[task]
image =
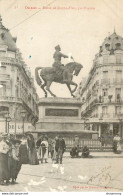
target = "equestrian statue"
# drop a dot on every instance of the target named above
(58, 73)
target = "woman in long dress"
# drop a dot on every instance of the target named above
(44, 150)
(117, 144)
(23, 151)
(15, 164)
(4, 171)
(33, 159)
(38, 146)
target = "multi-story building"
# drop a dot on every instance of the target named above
(102, 95)
(18, 97)
(80, 87)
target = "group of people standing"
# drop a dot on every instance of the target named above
(10, 164)
(15, 152)
(28, 150)
(53, 147)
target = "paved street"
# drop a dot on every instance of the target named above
(98, 173)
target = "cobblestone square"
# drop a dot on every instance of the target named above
(102, 172)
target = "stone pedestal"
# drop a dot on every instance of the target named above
(61, 116)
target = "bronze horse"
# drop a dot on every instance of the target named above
(50, 74)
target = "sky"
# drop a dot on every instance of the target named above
(78, 26)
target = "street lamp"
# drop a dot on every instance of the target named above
(23, 114)
(120, 120)
(8, 119)
(100, 122)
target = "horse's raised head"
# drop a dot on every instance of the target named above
(78, 67)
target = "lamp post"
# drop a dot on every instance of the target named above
(23, 114)
(120, 120)
(8, 119)
(100, 122)
(15, 118)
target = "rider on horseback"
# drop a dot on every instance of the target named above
(57, 64)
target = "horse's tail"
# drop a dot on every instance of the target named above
(38, 80)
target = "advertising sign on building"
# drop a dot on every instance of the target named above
(18, 127)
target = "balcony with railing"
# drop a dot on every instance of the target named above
(117, 81)
(8, 59)
(105, 115)
(113, 81)
(4, 77)
(117, 115)
(10, 99)
(95, 115)
(105, 81)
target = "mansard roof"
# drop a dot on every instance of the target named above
(112, 42)
(6, 39)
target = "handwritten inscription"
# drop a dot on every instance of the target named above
(103, 177)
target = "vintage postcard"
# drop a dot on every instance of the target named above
(61, 96)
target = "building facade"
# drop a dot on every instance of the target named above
(18, 97)
(102, 95)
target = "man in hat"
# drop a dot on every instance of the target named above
(60, 148)
(76, 141)
(57, 63)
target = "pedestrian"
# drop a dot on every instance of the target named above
(14, 163)
(23, 150)
(60, 148)
(53, 155)
(4, 171)
(49, 146)
(33, 159)
(102, 140)
(44, 150)
(74, 152)
(53, 152)
(117, 144)
(38, 146)
(76, 141)
(85, 152)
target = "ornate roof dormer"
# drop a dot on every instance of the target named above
(112, 43)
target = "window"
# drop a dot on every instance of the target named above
(104, 110)
(2, 90)
(118, 46)
(118, 75)
(2, 36)
(105, 92)
(17, 92)
(105, 76)
(118, 59)
(118, 109)
(118, 94)
(105, 59)
(107, 46)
